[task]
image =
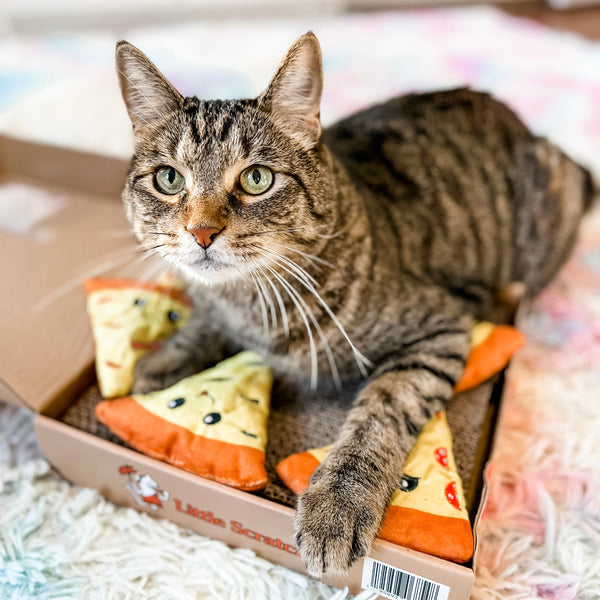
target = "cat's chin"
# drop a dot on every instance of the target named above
(207, 274)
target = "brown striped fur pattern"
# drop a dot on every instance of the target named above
(380, 241)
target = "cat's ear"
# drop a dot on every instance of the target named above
(293, 97)
(147, 94)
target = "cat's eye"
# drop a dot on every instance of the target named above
(169, 181)
(256, 180)
(173, 316)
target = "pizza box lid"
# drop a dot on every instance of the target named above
(61, 221)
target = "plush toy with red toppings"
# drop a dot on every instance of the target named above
(427, 512)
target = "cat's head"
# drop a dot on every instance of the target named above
(219, 188)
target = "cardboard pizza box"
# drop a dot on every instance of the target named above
(72, 226)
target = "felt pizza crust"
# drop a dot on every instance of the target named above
(491, 349)
(295, 470)
(213, 424)
(129, 319)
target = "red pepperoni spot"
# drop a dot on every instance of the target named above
(441, 455)
(452, 495)
(126, 469)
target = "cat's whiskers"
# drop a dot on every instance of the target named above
(331, 236)
(292, 265)
(272, 231)
(87, 272)
(155, 266)
(154, 250)
(314, 365)
(326, 347)
(310, 257)
(305, 279)
(268, 299)
(263, 306)
(282, 308)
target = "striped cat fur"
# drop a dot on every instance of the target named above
(362, 266)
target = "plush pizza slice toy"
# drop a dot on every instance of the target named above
(130, 318)
(427, 512)
(213, 424)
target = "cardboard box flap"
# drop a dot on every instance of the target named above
(61, 221)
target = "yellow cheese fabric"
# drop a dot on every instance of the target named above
(123, 321)
(320, 453)
(236, 393)
(481, 332)
(431, 462)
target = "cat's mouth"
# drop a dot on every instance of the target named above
(211, 270)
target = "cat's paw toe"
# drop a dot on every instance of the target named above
(145, 385)
(334, 528)
(156, 371)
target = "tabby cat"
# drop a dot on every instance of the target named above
(361, 253)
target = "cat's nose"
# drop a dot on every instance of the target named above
(205, 236)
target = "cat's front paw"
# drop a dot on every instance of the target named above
(335, 525)
(160, 370)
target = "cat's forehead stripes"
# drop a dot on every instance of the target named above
(218, 124)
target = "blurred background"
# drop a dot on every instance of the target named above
(57, 80)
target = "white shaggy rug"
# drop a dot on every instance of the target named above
(58, 541)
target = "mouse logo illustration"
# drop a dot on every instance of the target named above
(144, 489)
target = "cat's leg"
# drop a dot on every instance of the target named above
(340, 513)
(197, 346)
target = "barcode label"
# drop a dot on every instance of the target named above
(399, 585)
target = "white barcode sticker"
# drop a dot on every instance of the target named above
(399, 585)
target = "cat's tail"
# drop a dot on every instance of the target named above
(552, 193)
(591, 191)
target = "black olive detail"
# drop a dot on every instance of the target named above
(408, 483)
(173, 316)
(139, 302)
(212, 418)
(175, 403)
